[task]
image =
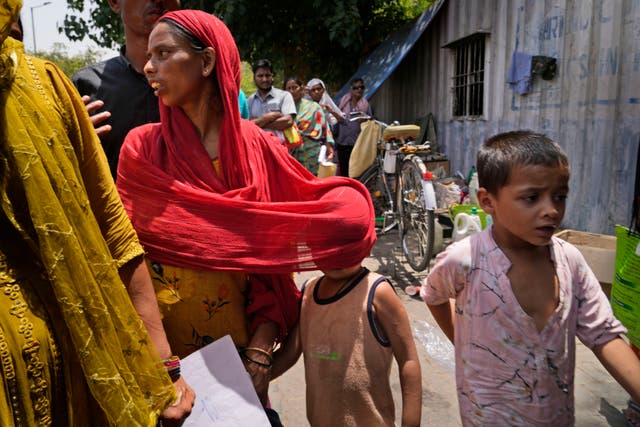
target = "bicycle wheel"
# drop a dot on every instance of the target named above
(417, 224)
(372, 179)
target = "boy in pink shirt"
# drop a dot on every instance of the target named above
(522, 295)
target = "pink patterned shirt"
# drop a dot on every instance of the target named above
(508, 373)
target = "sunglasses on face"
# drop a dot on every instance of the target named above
(357, 87)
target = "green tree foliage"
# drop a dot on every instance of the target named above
(69, 64)
(247, 84)
(307, 38)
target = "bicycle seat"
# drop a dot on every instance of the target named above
(400, 132)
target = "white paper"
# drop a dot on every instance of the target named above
(224, 393)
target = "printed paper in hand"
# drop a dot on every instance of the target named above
(224, 393)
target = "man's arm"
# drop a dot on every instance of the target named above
(283, 122)
(288, 112)
(266, 120)
(623, 365)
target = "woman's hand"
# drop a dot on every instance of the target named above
(260, 350)
(329, 156)
(260, 376)
(175, 414)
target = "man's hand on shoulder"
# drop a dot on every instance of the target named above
(97, 118)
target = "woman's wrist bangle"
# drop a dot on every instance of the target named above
(261, 351)
(250, 360)
(172, 365)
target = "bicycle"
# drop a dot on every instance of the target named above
(395, 182)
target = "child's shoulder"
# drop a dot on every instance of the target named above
(374, 277)
(308, 283)
(567, 248)
(457, 254)
(566, 252)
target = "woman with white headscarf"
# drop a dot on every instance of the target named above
(318, 93)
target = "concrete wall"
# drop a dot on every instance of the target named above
(591, 107)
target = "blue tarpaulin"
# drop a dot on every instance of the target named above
(381, 62)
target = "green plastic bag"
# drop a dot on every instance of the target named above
(625, 290)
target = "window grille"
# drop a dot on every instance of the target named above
(468, 78)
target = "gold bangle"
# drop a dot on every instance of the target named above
(259, 350)
(264, 365)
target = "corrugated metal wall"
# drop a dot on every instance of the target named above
(591, 107)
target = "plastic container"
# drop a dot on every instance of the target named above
(389, 163)
(476, 218)
(465, 225)
(456, 209)
(428, 190)
(438, 238)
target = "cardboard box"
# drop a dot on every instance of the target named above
(431, 165)
(600, 252)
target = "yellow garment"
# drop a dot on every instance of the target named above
(57, 196)
(365, 148)
(199, 306)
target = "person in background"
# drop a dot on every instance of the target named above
(244, 106)
(352, 324)
(312, 123)
(223, 211)
(317, 91)
(270, 108)
(116, 91)
(522, 295)
(348, 130)
(80, 333)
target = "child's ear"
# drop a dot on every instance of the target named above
(485, 200)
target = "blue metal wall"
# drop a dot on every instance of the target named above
(591, 107)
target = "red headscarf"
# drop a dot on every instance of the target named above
(265, 213)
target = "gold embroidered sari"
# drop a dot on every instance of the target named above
(72, 349)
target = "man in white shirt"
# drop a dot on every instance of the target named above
(270, 108)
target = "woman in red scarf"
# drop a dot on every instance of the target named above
(223, 211)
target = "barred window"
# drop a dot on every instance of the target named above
(468, 78)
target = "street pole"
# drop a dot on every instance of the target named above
(33, 25)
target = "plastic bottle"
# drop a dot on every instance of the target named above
(473, 188)
(428, 190)
(465, 224)
(477, 222)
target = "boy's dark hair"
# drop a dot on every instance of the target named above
(499, 154)
(357, 80)
(262, 63)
